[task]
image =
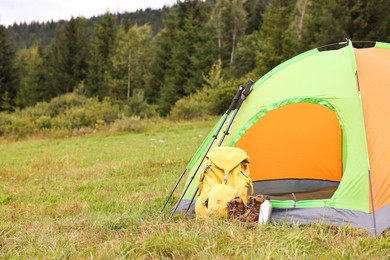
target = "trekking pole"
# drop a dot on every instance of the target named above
(243, 96)
(215, 135)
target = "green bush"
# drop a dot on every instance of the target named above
(60, 104)
(128, 124)
(4, 121)
(44, 122)
(190, 107)
(91, 114)
(71, 112)
(78, 115)
(206, 101)
(37, 111)
(223, 95)
(137, 106)
(16, 125)
(106, 111)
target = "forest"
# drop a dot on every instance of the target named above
(181, 61)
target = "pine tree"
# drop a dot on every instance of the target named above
(185, 52)
(130, 58)
(214, 77)
(203, 51)
(159, 64)
(326, 23)
(229, 18)
(334, 21)
(99, 63)
(178, 64)
(69, 59)
(32, 80)
(8, 73)
(246, 59)
(255, 10)
(276, 39)
(376, 25)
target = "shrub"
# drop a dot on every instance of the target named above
(137, 106)
(91, 114)
(128, 124)
(206, 101)
(77, 115)
(16, 125)
(37, 111)
(106, 111)
(60, 104)
(190, 107)
(4, 121)
(43, 122)
(223, 95)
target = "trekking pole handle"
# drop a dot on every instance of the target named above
(232, 106)
(249, 84)
(235, 99)
(243, 96)
(245, 93)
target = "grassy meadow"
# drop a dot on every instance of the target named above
(99, 196)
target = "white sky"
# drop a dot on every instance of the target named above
(45, 10)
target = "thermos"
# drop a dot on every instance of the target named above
(265, 211)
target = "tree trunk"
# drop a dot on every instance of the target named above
(220, 38)
(233, 47)
(302, 13)
(128, 76)
(219, 47)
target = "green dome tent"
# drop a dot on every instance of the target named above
(317, 131)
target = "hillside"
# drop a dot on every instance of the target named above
(25, 35)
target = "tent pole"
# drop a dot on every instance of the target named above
(372, 203)
(231, 107)
(243, 96)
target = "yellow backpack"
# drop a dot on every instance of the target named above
(226, 176)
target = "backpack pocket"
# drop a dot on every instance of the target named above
(219, 196)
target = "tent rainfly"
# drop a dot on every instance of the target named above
(317, 131)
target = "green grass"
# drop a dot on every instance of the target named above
(100, 196)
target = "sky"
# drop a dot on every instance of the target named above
(46, 10)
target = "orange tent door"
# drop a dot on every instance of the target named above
(295, 141)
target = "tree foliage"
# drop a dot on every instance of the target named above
(229, 18)
(157, 57)
(129, 59)
(99, 64)
(8, 72)
(183, 53)
(334, 21)
(69, 61)
(32, 84)
(276, 39)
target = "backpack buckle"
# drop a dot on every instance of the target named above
(225, 176)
